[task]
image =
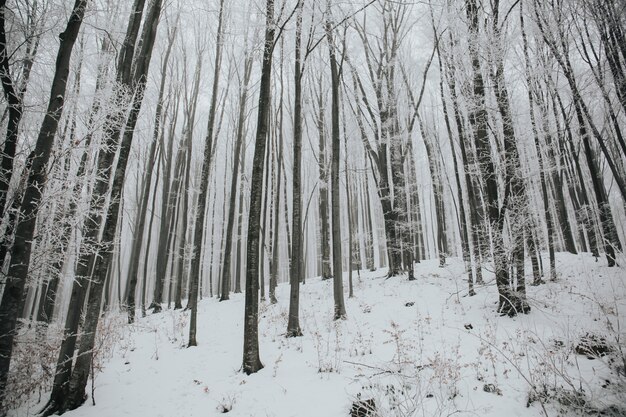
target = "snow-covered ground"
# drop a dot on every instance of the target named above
(420, 348)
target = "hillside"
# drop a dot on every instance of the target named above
(420, 348)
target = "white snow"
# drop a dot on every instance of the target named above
(417, 360)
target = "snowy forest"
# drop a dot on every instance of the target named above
(312, 208)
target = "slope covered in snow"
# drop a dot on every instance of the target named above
(420, 348)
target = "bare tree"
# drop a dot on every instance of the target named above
(239, 143)
(296, 265)
(335, 74)
(251, 360)
(82, 367)
(133, 268)
(37, 164)
(194, 271)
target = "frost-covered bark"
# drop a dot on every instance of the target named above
(37, 163)
(478, 121)
(82, 367)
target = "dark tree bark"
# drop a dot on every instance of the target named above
(582, 115)
(286, 213)
(8, 153)
(274, 264)
(326, 272)
(85, 264)
(240, 237)
(369, 226)
(340, 307)
(388, 154)
(349, 209)
(168, 204)
(472, 186)
(82, 367)
(212, 240)
(436, 177)
(542, 168)
(169, 201)
(609, 21)
(266, 197)
(416, 212)
(239, 139)
(296, 265)
(544, 191)
(47, 308)
(515, 196)
(465, 247)
(37, 164)
(251, 361)
(190, 121)
(478, 121)
(194, 272)
(557, 184)
(178, 266)
(144, 281)
(137, 240)
(15, 109)
(575, 178)
(378, 159)
(175, 240)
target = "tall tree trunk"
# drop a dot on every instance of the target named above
(188, 133)
(369, 226)
(169, 195)
(296, 265)
(416, 226)
(286, 213)
(326, 272)
(238, 265)
(461, 201)
(137, 239)
(274, 266)
(144, 281)
(37, 165)
(251, 361)
(349, 209)
(46, 309)
(239, 139)
(178, 275)
(478, 121)
(266, 198)
(560, 51)
(606, 218)
(542, 175)
(175, 240)
(598, 76)
(515, 194)
(437, 184)
(8, 153)
(194, 272)
(340, 307)
(81, 370)
(212, 240)
(15, 109)
(611, 30)
(378, 161)
(471, 185)
(574, 171)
